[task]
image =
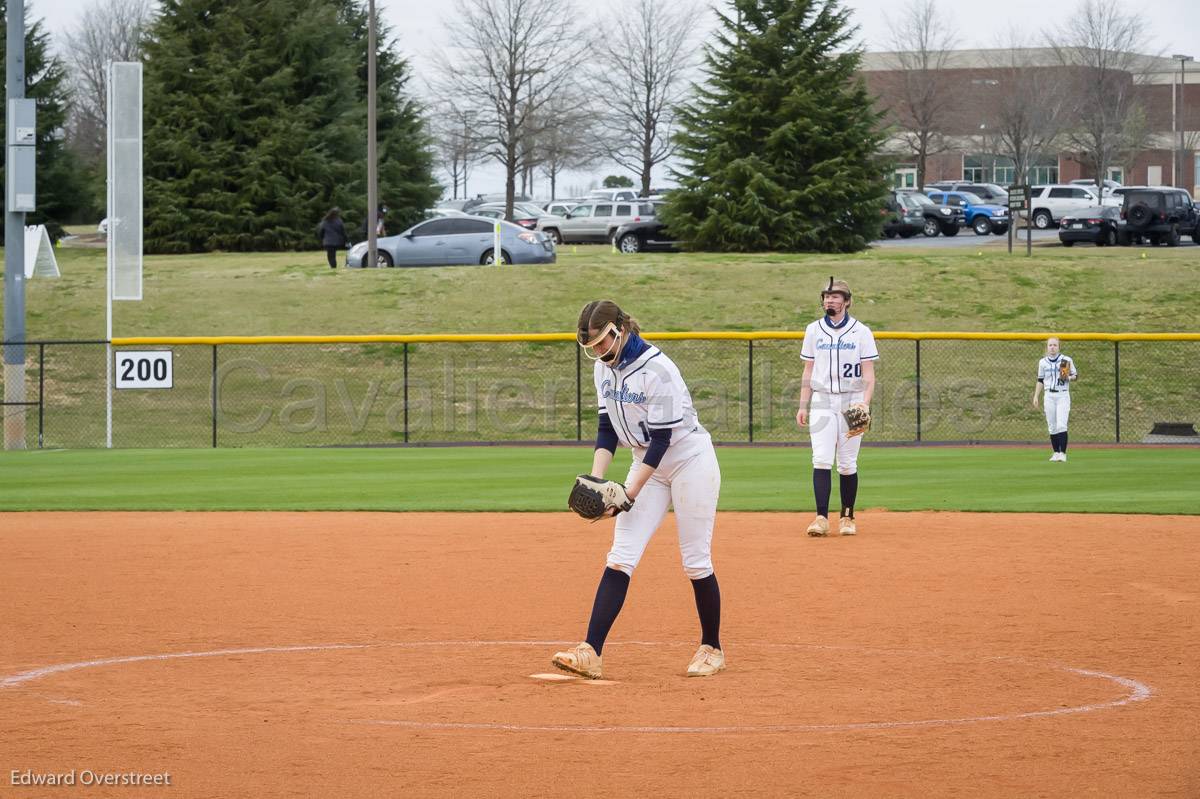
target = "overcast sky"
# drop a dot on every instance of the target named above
(1174, 27)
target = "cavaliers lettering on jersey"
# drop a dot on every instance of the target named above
(648, 393)
(1049, 372)
(837, 354)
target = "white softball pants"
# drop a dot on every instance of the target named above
(1057, 406)
(827, 428)
(688, 478)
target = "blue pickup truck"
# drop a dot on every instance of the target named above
(981, 216)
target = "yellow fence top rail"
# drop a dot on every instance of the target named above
(748, 335)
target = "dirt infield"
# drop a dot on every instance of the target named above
(348, 655)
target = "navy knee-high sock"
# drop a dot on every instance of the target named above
(848, 483)
(610, 596)
(1054, 441)
(822, 485)
(708, 606)
(1062, 442)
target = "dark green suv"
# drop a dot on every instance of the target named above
(1158, 216)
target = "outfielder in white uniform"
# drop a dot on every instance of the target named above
(839, 371)
(645, 405)
(1055, 373)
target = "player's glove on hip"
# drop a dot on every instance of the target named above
(593, 498)
(1064, 371)
(858, 419)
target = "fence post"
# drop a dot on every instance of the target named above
(1117, 385)
(918, 391)
(406, 392)
(579, 393)
(41, 393)
(750, 393)
(214, 396)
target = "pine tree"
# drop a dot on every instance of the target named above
(60, 185)
(780, 144)
(256, 125)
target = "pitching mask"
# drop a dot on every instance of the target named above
(610, 355)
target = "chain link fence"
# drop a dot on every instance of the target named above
(511, 389)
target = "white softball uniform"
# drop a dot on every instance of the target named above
(1056, 399)
(837, 354)
(649, 394)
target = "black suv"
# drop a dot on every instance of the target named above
(938, 218)
(1157, 215)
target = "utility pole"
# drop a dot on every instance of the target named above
(1181, 124)
(372, 167)
(20, 150)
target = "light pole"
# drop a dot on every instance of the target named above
(1181, 124)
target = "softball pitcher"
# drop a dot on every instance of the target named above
(839, 356)
(1055, 373)
(645, 405)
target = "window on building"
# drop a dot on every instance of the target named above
(1044, 170)
(988, 168)
(1116, 173)
(905, 177)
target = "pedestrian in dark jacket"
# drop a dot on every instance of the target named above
(332, 233)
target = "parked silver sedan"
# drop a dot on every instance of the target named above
(457, 240)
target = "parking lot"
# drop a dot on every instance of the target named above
(966, 239)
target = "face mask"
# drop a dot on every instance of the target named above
(611, 354)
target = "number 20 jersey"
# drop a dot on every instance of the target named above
(837, 354)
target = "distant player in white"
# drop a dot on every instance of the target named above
(839, 370)
(645, 405)
(1055, 373)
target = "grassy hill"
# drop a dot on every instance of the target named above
(980, 287)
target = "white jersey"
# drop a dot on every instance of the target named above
(1049, 373)
(837, 354)
(646, 394)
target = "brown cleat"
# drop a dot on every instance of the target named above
(581, 660)
(819, 527)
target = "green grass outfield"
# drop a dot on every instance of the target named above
(1115, 480)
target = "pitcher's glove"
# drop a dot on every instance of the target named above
(1064, 371)
(594, 498)
(858, 419)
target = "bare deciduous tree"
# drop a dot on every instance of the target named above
(640, 75)
(566, 143)
(1031, 106)
(926, 92)
(108, 30)
(1107, 48)
(458, 143)
(512, 56)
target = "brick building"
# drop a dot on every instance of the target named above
(975, 81)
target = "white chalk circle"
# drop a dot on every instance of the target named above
(1133, 690)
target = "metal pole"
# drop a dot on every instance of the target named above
(109, 269)
(372, 167)
(918, 391)
(578, 394)
(1182, 119)
(14, 247)
(406, 392)
(750, 393)
(1117, 385)
(41, 394)
(214, 396)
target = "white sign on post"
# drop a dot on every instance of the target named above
(39, 253)
(149, 369)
